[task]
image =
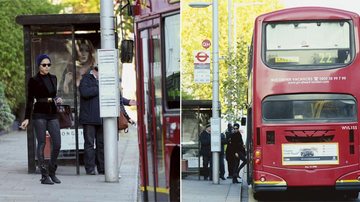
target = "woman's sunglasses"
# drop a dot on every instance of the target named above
(44, 65)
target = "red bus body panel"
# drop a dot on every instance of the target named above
(146, 8)
(148, 15)
(267, 81)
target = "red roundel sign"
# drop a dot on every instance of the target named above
(201, 57)
(206, 43)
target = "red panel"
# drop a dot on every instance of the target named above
(264, 84)
(152, 7)
(307, 13)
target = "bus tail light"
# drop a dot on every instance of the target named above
(171, 128)
(262, 179)
(257, 154)
(257, 157)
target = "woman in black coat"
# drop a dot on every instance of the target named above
(237, 152)
(41, 107)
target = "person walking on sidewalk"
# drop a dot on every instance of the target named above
(229, 159)
(205, 151)
(41, 108)
(221, 159)
(237, 152)
(92, 122)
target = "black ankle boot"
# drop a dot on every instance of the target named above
(46, 180)
(55, 179)
(235, 181)
(52, 169)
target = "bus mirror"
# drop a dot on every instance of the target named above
(243, 121)
(127, 53)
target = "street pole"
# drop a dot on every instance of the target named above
(109, 123)
(215, 127)
(228, 99)
(215, 119)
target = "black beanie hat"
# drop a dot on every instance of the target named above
(40, 58)
(236, 125)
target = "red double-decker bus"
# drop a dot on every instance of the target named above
(303, 124)
(157, 39)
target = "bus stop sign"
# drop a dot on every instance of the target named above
(206, 43)
(108, 83)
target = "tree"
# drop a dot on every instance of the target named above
(197, 26)
(11, 46)
(6, 117)
(124, 21)
(82, 6)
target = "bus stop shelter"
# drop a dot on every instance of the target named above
(195, 115)
(66, 38)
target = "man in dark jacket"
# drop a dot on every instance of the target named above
(92, 122)
(221, 159)
(205, 151)
(229, 159)
(237, 152)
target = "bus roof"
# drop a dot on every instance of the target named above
(307, 13)
(145, 8)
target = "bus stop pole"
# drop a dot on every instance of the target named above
(215, 125)
(109, 123)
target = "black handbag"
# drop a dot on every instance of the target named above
(65, 116)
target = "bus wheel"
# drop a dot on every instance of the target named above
(175, 190)
(352, 195)
(259, 196)
(175, 176)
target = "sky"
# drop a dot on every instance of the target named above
(350, 5)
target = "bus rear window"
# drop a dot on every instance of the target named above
(309, 108)
(299, 45)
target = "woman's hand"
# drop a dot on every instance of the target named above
(132, 102)
(24, 124)
(58, 100)
(132, 122)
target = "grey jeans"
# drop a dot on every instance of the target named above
(93, 148)
(53, 126)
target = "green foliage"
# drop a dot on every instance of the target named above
(6, 117)
(125, 22)
(235, 83)
(197, 26)
(11, 45)
(82, 6)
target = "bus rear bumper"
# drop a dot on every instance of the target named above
(264, 181)
(268, 187)
(348, 187)
(350, 181)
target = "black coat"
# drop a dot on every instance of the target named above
(89, 100)
(41, 86)
(236, 144)
(228, 135)
(205, 143)
(223, 143)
